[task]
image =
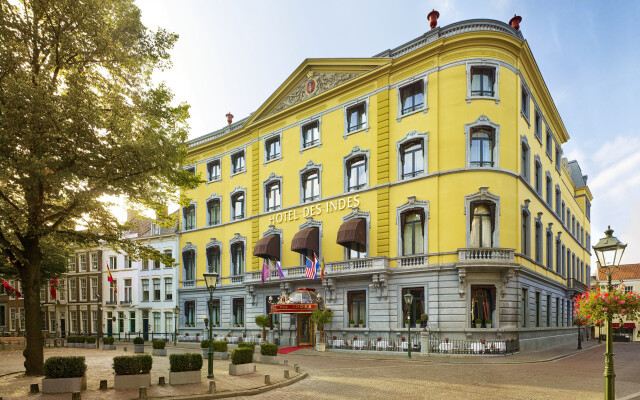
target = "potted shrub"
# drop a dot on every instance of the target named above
(90, 342)
(269, 354)
(251, 346)
(185, 368)
(204, 345)
(321, 318)
(478, 322)
(487, 323)
(138, 345)
(241, 361)
(361, 323)
(64, 375)
(424, 318)
(403, 338)
(107, 343)
(418, 322)
(79, 341)
(379, 338)
(206, 322)
(220, 350)
(132, 372)
(352, 323)
(158, 348)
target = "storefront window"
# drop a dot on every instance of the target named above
(238, 312)
(357, 308)
(482, 306)
(417, 306)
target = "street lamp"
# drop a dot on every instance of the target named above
(211, 279)
(176, 312)
(609, 252)
(408, 300)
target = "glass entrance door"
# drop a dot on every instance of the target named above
(304, 330)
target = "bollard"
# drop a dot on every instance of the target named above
(75, 396)
(142, 392)
(34, 388)
(255, 368)
(103, 384)
(267, 379)
(286, 362)
(125, 349)
(286, 374)
(212, 387)
(161, 381)
(297, 368)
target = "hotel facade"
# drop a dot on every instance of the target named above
(434, 168)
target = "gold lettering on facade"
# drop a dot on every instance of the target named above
(315, 210)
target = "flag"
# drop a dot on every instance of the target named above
(310, 270)
(10, 289)
(316, 265)
(265, 272)
(53, 288)
(322, 270)
(110, 279)
(280, 274)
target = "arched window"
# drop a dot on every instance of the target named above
(237, 205)
(189, 217)
(526, 233)
(412, 232)
(213, 211)
(213, 259)
(272, 192)
(189, 263)
(482, 146)
(482, 224)
(356, 173)
(538, 241)
(237, 258)
(311, 186)
(412, 159)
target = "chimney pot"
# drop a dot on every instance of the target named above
(515, 22)
(229, 117)
(433, 18)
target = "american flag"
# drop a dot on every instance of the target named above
(311, 267)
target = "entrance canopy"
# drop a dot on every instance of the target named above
(353, 231)
(629, 325)
(268, 247)
(303, 301)
(306, 242)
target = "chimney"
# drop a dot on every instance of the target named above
(433, 18)
(131, 214)
(515, 22)
(229, 117)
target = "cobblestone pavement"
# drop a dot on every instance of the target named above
(99, 366)
(521, 376)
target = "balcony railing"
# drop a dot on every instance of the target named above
(357, 265)
(125, 302)
(111, 303)
(190, 283)
(237, 279)
(291, 272)
(413, 261)
(486, 255)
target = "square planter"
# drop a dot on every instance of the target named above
(123, 382)
(269, 359)
(64, 385)
(320, 347)
(183, 378)
(90, 346)
(79, 345)
(71, 345)
(138, 348)
(241, 369)
(220, 355)
(108, 347)
(205, 354)
(158, 352)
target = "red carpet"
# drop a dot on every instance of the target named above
(287, 350)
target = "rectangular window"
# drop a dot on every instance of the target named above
(145, 290)
(557, 311)
(83, 262)
(156, 289)
(538, 241)
(113, 294)
(411, 97)
(628, 289)
(537, 309)
(237, 259)
(113, 262)
(237, 204)
(94, 288)
(538, 177)
(558, 158)
(52, 319)
(524, 168)
(74, 321)
(548, 310)
(189, 215)
(550, 144)
(213, 170)
(128, 291)
(416, 309)
(525, 103)
(311, 186)
(549, 190)
(213, 259)
(538, 126)
(237, 162)
(168, 288)
(156, 323)
(156, 264)
(132, 321)
(121, 321)
(357, 303)
(168, 322)
(215, 312)
(213, 210)
(12, 319)
(190, 313)
(482, 81)
(169, 254)
(188, 259)
(356, 173)
(94, 261)
(273, 196)
(84, 318)
(73, 291)
(549, 250)
(412, 159)
(272, 148)
(145, 264)
(238, 312)
(310, 134)
(71, 264)
(3, 321)
(524, 307)
(483, 305)
(356, 118)
(191, 169)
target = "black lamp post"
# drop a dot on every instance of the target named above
(176, 312)
(408, 300)
(211, 279)
(609, 252)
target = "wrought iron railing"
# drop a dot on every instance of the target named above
(372, 343)
(475, 346)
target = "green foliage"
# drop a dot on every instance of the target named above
(159, 344)
(185, 362)
(321, 318)
(251, 346)
(132, 365)
(268, 349)
(90, 339)
(204, 344)
(242, 355)
(263, 321)
(220, 346)
(108, 340)
(80, 339)
(64, 367)
(138, 340)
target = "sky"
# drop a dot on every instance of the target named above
(233, 54)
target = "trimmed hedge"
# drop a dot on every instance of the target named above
(91, 339)
(132, 365)
(185, 362)
(65, 367)
(220, 346)
(108, 340)
(268, 349)
(242, 355)
(159, 344)
(138, 340)
(76, 339)
(204, 344)
(251, 346)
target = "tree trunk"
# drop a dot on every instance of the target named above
(264, 334)
(30, 277)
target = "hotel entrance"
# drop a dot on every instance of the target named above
(305, 336)
(301, 303)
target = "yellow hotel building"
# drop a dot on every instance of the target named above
(434, 168)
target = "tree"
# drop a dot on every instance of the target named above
(81, 120)
(321, 318)
(264, 322)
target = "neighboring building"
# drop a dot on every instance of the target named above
(55, 311)
(15, 309)
(121, 298)
(4, 310)
(629, 276)
(433, 169)
(84, 294)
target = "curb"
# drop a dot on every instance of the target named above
(247, 392)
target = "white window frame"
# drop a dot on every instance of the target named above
(93, 257)
(268, 139)
(483, 120)
(305, 123)
(351, 104)
(214, 196)
(219, 161)
(273, 178)
(308, 168)
(236, 191)
(82, 262)
(496, 82)
(410, 137)
(482, 195)
(356, 152)
(195, 219)
(405, 84)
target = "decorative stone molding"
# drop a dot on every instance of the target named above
(411, 136)
(214, 243)
(251, 291)
(412, 203)
(483, 120)
(272, 231)
(483, 194)
(462, 284)
(380, 282)
(505, 277)
(285, 287)
(355, 152)
(329, 285)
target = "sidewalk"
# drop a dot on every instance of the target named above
(99, 367)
